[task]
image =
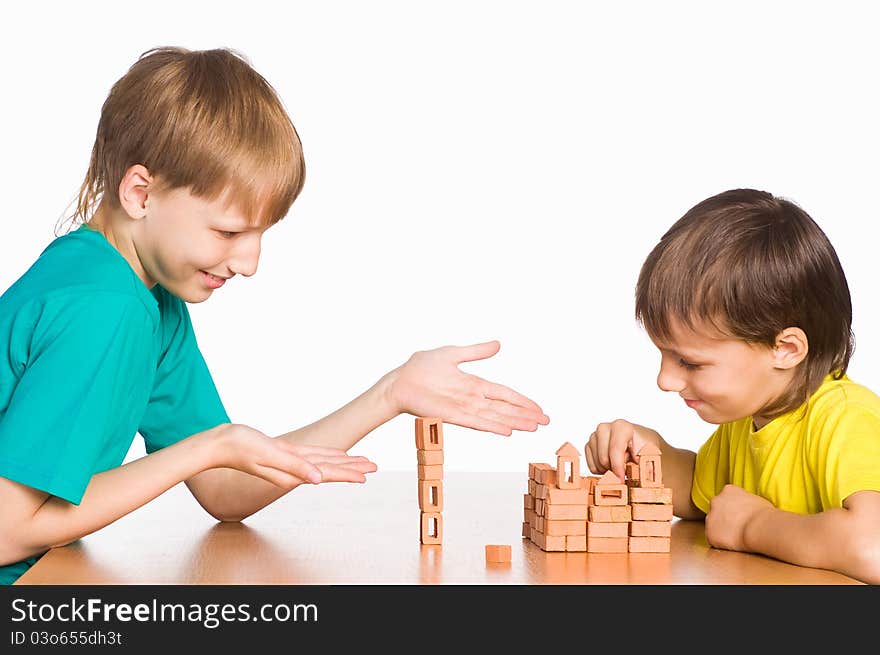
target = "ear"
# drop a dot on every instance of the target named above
(791, 348)
(134, 190)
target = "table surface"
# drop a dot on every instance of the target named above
(337, 534)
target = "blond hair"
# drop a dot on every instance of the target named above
(204, 120)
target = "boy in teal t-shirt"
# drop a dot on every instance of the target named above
(194, 159)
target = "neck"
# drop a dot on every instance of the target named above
(115, 226)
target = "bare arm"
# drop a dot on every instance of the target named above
(843, 539)
(611, 444)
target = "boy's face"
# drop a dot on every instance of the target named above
(192, 246)
(721, 378)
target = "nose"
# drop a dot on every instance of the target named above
(669, 378)
(246, 256)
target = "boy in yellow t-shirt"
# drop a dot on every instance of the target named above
(747, 302)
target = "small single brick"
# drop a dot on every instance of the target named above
(576, 543)
(529, 516)
(533, 487)
(649, 544)
(566, 512)
(607, 544)
(429, 457)
(568, 466)
(434, 472)
(549, 543)
(610, 494)
(431, 495)
(528, 501)
(541, 491)
(429, 433)
(498, 553)
(540, 507)
(526, 529)
(566, 528)
(546, 476)
(554, 495)
(602, 529)
(662, 495)
(650, 528)
(651, 512)
(539, 523)
(610, 513)
(650, 472)
(631, 471)
(432, 528)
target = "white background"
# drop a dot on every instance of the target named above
(476, 170)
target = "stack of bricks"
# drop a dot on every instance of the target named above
(565, 511)
(429, 454)
(650, 529)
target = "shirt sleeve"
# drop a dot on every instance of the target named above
(184, 400)
(76, 406)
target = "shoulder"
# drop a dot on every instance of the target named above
(842, 408)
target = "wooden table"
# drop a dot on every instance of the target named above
(350, 534)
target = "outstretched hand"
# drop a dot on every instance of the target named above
(431, 384)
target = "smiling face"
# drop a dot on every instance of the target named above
(190, 246)
(722, 378)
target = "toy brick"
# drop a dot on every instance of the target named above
(546, 476)
(650, 471)
(651, 512)
(588, 482)
(662, 495)
(533, 487)
(568, 466)
(429, 457)
(631, 471)
(532, 470)
(539, 523)
(555, 495)
(576, 543)
(566, 528)
(431, 495)
(649, 544)
(605, 529)
(429, 433)
(541, 491)
(650, 529)
(610, 513)
(610, 494)
(540, 507)
(566, 512)
(550, 543)
(498, 553)
(528, 501)
(432, 528)
(607, 544)
(529, 516)
(526, 529)
(433, 472)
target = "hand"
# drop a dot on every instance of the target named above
(431, 384)
(611, 444)
(285, 465)
(730, 513)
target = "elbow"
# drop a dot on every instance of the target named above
(865, 560)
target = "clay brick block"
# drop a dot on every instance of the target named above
(650, 470)
(607, 544)
(588, 482)
(432, 528)
(532, 470)
(429, 457)
(528, 501)
(431, 495)
(576, 543)
(649, 544)
(498, 553)
(434, 472)
(610, 513)
(533, 487)
(647, 512)
(566, 512)
(540, 507)
(549, 543)
(554, 495)
(526, 529)
(539, 523)
(541, 491)
(610, 494)
(565, 528)
(568, 466)
(662, 495)
(545, 475)
(530, 516)
(429, 433)
(602, 529)
(631, 471)
(650, 529)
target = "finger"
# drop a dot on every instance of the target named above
(500, 392)
(621, 436)
(283, 460)
(478, 422)
(308, 450)
(343, 474)
(476, 352)
(364, 467)
(603, 434)
(515, 412)
(513, 422)
(590, 455)
(339, 460)
(279, 478)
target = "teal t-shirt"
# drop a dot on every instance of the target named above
(89, 356)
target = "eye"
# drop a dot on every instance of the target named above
(687, 365)
(227, 235)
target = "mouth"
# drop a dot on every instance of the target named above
(212, 281)
(692, 402)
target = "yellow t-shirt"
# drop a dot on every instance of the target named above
(803, 461)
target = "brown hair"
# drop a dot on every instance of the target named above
(751, 265)
(203, 120)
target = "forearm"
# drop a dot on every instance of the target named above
(678, 474)
(827, 540)
(114, 493)
(237, 495)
